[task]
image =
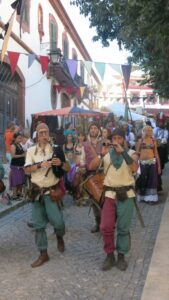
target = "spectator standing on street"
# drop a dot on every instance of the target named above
(8, 137)
(26, 141)
(93, 148)
(106, 134)
(45, 184)
(17, 174)
(80, 163)
(161, 135)
(147, 182)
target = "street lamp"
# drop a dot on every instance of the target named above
(55, 56)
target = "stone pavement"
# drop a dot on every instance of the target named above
(76, 274)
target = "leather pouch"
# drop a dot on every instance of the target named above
(121, 194)
(56, 194)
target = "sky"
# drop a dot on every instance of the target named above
(112, 54)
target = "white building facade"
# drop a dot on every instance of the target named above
(45, 28)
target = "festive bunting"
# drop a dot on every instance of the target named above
(31, 58)
(44, 60)
(88, 66)
(82, 88)
(72, 66)
(7, 36)
(22, 8)
(116, 67)
(100, 68)
(126, 71)
(13, 59)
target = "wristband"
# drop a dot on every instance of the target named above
(127, 158)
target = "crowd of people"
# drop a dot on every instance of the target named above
(132, 156)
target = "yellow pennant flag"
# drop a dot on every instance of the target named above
(7, 36)
(82, 88)
(99, 87)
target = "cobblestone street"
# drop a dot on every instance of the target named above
(76, 274)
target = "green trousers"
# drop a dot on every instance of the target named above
(43, 212)
(124, 211)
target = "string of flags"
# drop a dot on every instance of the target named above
(123, 70)
(19, 6)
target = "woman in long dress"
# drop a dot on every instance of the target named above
(147, 182)
(17, 174)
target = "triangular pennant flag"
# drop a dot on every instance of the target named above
(88, 66)
(22, 8)
(72, 66)
(82, 88)
(78, 92)
(13, 59)
(7, 36)
(126, 71)
(17, 5)
(100, 68)
(44, 60)
(99, 87)
(31, 58)
(116, 67)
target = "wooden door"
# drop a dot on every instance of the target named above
(9, 95)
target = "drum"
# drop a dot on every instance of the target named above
(94, 186)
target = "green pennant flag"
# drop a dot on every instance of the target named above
(88, 66)
(100, 68)
(116, 67)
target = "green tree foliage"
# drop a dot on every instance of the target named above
(140, 26)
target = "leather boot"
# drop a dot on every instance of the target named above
(121, 263)
(60, 244)
(43, 257)
(109, 262)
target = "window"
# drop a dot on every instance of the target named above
(65, 46)
(53, 31)
(26, 17)
(40, 22)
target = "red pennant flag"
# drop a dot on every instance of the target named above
(58, 88)
(13, 59)
(78, 93)
(44, 60)
(69, 90)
